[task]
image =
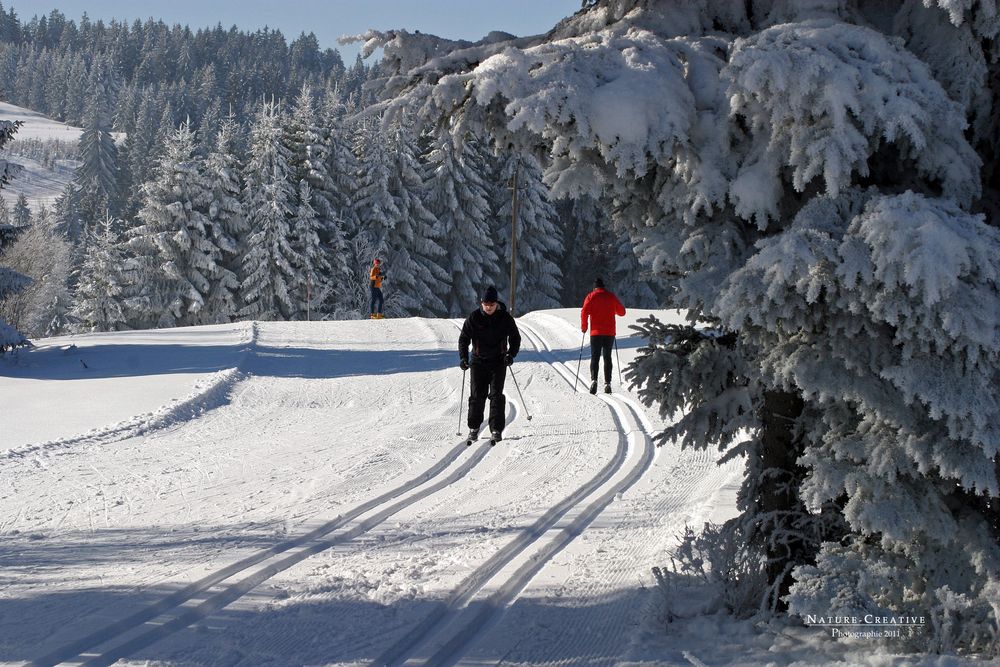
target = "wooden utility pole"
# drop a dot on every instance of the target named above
(513, 238)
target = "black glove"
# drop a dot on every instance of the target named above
(509, 360)
(464, 364)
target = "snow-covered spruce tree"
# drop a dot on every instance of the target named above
(98, 300)
(314, 269)
(227, 222)
(270, 276)
(342, 168)
(173, 259)
(310, 147)
(375, 206)
(45, 256)
(414, 254)
(96, 179)
(459, 199)
(21, 216)
(808, 177)
(10, 281)
(539, 239)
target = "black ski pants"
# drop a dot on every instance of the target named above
(487, 381)
(600, 346)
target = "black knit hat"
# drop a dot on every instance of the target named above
(599, 283)
(490, 295)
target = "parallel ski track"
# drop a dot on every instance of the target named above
(448, 612)
(270, 562)
(307, 545)
(697, 477)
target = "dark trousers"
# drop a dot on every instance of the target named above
(377, 300)
(487, 381)
(601, 346)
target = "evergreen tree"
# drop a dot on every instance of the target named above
(310, 147)
(539, 239)
(96, 178)
(313, 269)
(376, 208)
(41, 254)
(343, 168)
(99, 295)
(414, 255)
(5, 220)
(22, 214)
(10, 281)
(227, 222)
(270, 281)
(174, 260)
(458, 198)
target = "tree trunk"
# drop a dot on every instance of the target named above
(778, 491)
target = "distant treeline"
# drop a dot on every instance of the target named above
(49, 64)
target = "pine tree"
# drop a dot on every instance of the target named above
(806, 177)
(227, 223)
(270, 282)
(41, 254)
(539, 240)
(99, 295)
(458, 198)
(414, 255)
(10, 281)
(174, 261)
(21, 216)
(376, 208)
(310, 147)
(97, 177)
(313, 270)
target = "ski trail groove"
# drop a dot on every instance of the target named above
(308, 544)
(446, 612)
(489, 613)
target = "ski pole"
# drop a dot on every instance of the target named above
(619, 359)
(461, 401)
(579, 361)
(526, 411)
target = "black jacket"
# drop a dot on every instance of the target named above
(492, 336)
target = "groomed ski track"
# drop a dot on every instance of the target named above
(525, 507)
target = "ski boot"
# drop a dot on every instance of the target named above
(473, 434)
(607, 388)
(593, 387)
(495, 437)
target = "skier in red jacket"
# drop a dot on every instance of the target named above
(600, 306)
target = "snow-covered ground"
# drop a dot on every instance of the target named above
(297, 493)
(39, 184)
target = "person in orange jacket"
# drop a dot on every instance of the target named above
(376, 277)
(601, 307)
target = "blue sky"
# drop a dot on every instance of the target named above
(328, 19)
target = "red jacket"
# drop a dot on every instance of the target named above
(601, 306)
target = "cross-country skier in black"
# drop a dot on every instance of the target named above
(495, 342)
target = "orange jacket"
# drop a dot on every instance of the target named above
(376, 276)
(600, 306)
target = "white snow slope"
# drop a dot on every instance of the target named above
(297, 493)
(40, 185)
